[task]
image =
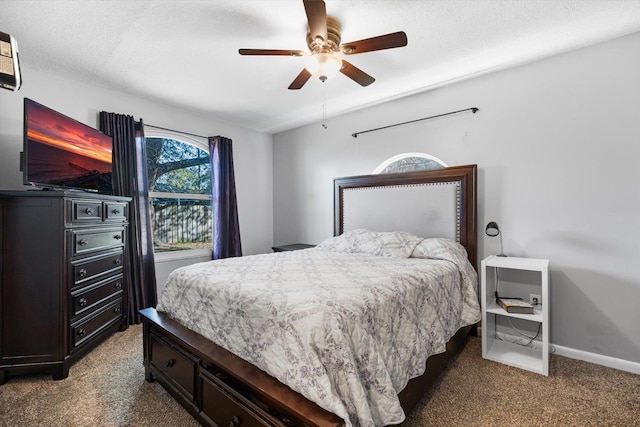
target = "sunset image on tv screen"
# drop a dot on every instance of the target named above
(64, 152)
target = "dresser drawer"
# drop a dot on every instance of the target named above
(115, 211)
(95, 322)
(175, 364)
(226, 407)
(93, 268)
(86, 211)
(89, 297)
(86, 241)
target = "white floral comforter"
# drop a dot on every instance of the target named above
(346, 330)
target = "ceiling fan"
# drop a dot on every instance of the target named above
(323, 40)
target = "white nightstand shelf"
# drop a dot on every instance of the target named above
(536, 358)
(535, 317)
(516, 355)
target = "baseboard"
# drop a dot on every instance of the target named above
(598, 359)
(572, 353)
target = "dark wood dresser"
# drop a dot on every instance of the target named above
(292, 247)
(62, 281)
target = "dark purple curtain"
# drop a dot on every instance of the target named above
(130, 179)
(226, 230)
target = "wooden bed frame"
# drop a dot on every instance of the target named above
(220, 389)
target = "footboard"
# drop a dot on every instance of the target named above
(217, 387)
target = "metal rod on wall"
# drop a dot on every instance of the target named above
(472, 109)
(177, 131)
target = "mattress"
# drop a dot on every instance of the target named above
(345, 327)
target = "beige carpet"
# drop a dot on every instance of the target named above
(107, 388)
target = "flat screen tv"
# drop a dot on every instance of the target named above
(60, 152)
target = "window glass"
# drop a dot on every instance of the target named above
(177, 167)
(409, 162)
(179, 175)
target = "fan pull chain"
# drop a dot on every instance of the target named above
(324, 104)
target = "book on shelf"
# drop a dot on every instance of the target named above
(513, 305)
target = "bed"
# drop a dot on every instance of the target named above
(334, 353)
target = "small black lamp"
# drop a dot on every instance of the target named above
(492, 230)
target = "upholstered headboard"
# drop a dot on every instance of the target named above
(434, 203)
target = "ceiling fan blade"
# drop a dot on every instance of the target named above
(270, 52)
(386, 41)
(300, 80)
(317, 18)
(356, 74)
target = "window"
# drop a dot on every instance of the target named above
(179, 174)
(408, 162)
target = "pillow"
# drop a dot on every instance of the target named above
(395, 244)
(439, 248)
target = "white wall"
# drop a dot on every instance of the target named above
(252, 150)
(557, 144)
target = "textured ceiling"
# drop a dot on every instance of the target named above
(185, 53)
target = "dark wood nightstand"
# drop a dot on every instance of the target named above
(292, 247)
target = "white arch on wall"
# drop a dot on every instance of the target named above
(401, 163)
(202, 143)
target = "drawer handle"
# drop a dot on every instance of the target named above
(82, 242)
(82, 302)
(170, 363)
(82, 332)
(82, 272)
(116, 309)
(117, 261)
(118, 285)
(117, 237)
(235, 422)
(115, 211)
(89, 211)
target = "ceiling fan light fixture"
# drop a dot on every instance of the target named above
(324, 59)
(323, 65)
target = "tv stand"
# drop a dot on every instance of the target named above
(63, 285)
(74, 191)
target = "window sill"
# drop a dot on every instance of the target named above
(177, 255)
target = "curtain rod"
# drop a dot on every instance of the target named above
(473, 109)
(177, 131)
